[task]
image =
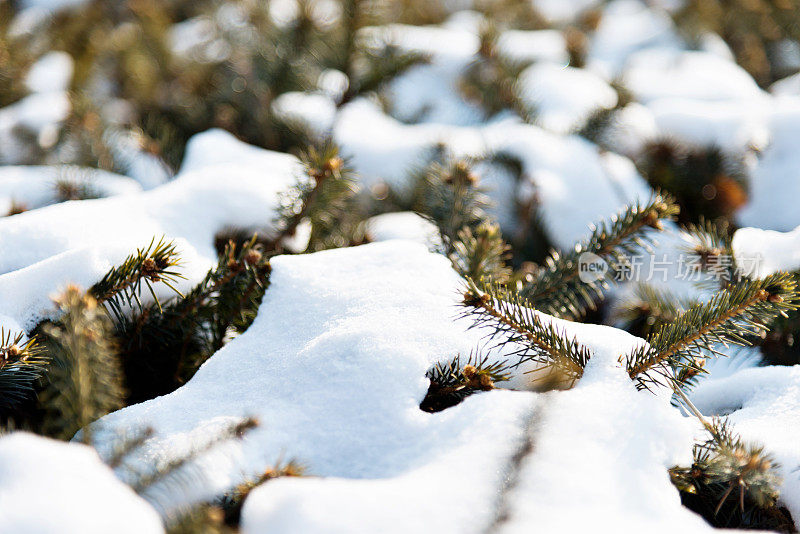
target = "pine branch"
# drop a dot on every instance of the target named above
(731, 483)
(706, 180)
(513, 320)
(163, 347)
(710, 244)
(448, 194)
(491, 79)
(648, 309)
(558, 290)
(122, 285)
(85, 379)
(481, 253)
(323, 199)
(455, 380)
(744, 309)
(22, 363)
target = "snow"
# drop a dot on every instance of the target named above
(561, 11)
(728, 125)
(628, 26)
(773, 182)
(541, 45)
(603, 433)
(235, 185)
(80, 492)
(384, 464)
(39, 114)
(568, 175)
(218, 148)
(563, 97)
(764, 252)
(35, 186)
(51, 72)
(51, 5)
(664, 73)
(405, 225)
(314, 111)
(429, 92)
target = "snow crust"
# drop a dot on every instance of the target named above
(80, 491)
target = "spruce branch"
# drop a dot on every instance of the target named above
(481, 253)
(322, 198)
(448, 194)
(457, 379)
(732, 483)
(710, 243)
(513, 320)
(22, 363)
(86, 378)
(491, 79)
(743, 309)
(163, 346)
(557, 288)
(122, 285)
(706, 181)
(68, 189)
(648, 309)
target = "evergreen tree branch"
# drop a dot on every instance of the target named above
(732, 483)
(122, 285)
(744, 309)
(481, 253)
(22, 363)
(85, 379)
(455, 380)
(511, 317)
(323, 199)
(557, 289)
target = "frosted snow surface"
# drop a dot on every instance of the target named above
(339, 391)
(81, 492)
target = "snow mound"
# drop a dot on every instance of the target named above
(628, 26)
(239, 187)
(386, 465)
(314, 111)
(51, 72)
(663, 73)
(763, 252)
(35, 186)
(541, 45)
(403, 225)
(773, 182)
(81, 492)
(563, 97)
